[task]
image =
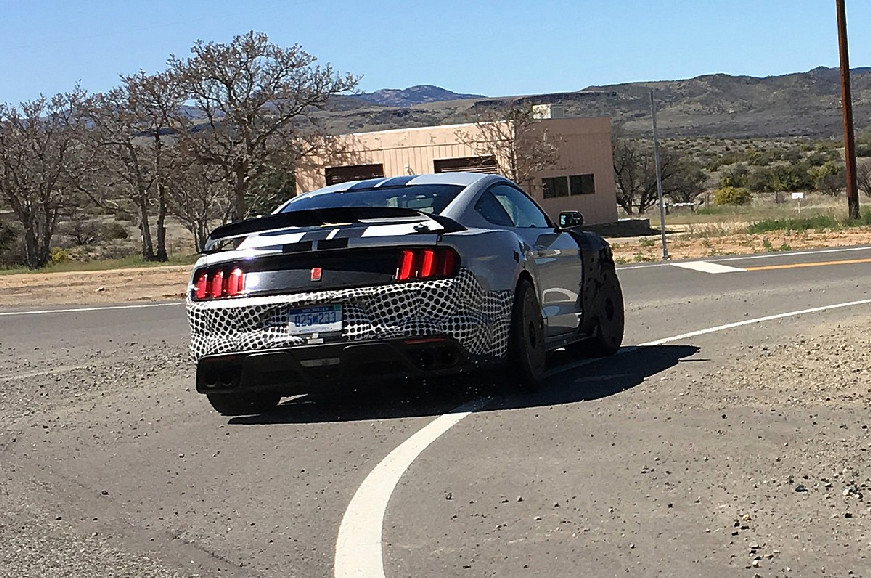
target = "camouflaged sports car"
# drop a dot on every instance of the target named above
(410, 276)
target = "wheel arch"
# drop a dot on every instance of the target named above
(524, 274)
(595, 264)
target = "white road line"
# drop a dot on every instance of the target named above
(78, 309)
(706, 267)
(359, 552)
(631, 266)
(358, 547)
(757, 320)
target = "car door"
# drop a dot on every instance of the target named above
(555, 256)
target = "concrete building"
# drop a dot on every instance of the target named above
(579, 177)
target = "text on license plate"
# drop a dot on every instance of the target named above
(320, 319)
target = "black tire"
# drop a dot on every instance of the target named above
(231, 404)
(526, 341)
(608, 334)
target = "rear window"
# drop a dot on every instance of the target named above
(430, 199)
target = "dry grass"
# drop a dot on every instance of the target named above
(690, 236)
(690, 245)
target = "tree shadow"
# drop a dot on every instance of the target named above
(569, 381)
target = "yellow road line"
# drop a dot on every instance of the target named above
(796, 265)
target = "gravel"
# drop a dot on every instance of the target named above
(36, 539)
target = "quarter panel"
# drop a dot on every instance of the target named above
(495, 257)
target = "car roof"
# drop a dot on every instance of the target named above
(471, 183)
(459, 179)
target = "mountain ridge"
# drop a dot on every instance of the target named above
(417, 94)
(801, 104)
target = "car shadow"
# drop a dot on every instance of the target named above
(568, 381)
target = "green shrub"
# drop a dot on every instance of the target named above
(59, 255)
(732, 196)
(114, 231)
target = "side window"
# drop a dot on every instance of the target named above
(523, 212)
(493, 211)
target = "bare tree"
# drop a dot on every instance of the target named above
(40, 159)
(635, 173)
(157, 100)
(518, 141)
(863, 177)
(269, 191)
(686, 182)
(257, 98)
(198, 197)
(131, 124)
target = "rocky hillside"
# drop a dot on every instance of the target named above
(718, 105)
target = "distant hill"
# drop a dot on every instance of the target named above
(803, 104)
(413, 95)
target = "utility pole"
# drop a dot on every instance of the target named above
(847, 108)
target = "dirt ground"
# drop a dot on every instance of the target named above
(94, 287)
(166, 283)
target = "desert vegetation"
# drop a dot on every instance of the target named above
(145, 170)
(709, 171)
(214, 137)
(767, 223)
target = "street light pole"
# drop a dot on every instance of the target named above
(658, 179)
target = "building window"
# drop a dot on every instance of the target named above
(582, 185)
(572, 185)
(555, 187)
(344, 174)
(482, 164)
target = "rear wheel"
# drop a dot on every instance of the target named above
(526, 342)
(609, 315)
(230, 404)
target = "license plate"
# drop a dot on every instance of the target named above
(310, 320)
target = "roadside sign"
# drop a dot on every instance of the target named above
(798, 197)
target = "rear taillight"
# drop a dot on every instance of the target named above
(218, 283)
(426, 263)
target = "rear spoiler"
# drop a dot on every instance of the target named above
(320, 217)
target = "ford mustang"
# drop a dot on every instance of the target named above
(406, 277)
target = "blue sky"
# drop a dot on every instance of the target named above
(493, 48)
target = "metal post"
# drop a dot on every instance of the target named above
(847, 108)
(658, 178)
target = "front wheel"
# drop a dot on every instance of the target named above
(526, 341)
(248, 403)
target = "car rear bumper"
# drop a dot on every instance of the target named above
(458, 307)
(306, 368)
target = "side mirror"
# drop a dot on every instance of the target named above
(570, 219)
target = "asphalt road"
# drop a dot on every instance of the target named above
(618, 466)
